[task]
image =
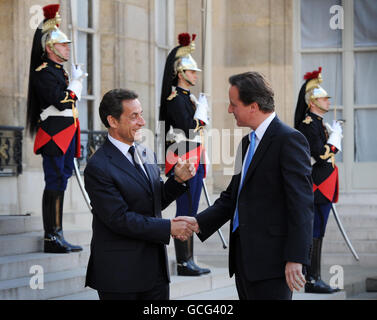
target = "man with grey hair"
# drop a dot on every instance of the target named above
(269, 200)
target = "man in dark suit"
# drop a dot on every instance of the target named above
(128, 258)
(269, 199)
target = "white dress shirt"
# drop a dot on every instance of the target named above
(259, 133)
(124, 147)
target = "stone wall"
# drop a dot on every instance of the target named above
(246, 35)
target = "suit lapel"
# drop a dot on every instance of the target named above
(262, 148)
(120, 161)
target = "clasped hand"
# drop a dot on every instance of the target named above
(184, 170)
(182, 227)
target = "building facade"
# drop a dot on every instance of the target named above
(124, 43)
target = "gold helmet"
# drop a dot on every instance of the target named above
(313, 90)
(51, 34)
(184, 61)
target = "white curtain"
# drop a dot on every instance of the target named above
(315, 25)
(365, 23)
(365, 136)
(332, 74)
(365, 78)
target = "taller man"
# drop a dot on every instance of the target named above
(313, 102)
(185, 117)
(269, 199)
(52, 115)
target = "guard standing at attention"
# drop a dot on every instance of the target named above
(185, 117)
(325, 142)
(52, 115)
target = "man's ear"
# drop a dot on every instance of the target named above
(254, 107)
(112, 121)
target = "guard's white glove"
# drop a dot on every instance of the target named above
(335, 134)
(201, 112)
(77, 72)
(75, 84)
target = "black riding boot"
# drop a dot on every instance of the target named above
(50, 213)
(314, 283)
(59, 227)
(184, 251)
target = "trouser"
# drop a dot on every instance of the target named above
(191, 199)
(321, 215)
(268, 289)
(160, 291)
(58, 169)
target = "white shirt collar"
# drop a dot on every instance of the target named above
(123, 147)
(259, 132)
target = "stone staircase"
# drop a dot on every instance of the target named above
(21, 248)
(64, 274)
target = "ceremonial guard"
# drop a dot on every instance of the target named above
(184, 117)
(53, 117)
(325, 142)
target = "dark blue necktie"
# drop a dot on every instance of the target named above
(249, 157)
(131, 150)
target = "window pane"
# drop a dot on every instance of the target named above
(365, 23)
(332, 74)
(365, 78)
(160, 65)
(83, 13)
(315, 25)
(365, 136)
(161, 17)
(329, 117)
(82, 57)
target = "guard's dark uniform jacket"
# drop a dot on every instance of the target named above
(55, 132)
(180, 115)
(324, 172)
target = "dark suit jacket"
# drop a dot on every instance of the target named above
(128, 231)
(275, 205)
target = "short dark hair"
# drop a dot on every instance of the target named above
(253, 87)
(111, 104)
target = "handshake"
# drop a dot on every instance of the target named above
(182, 227)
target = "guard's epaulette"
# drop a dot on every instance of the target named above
(172, 96)
(41, 67)
(307, 120)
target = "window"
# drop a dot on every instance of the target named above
(86, 44)
(164, 42)
(348, 57)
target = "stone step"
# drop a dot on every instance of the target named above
(30, 242)
(361, 246)
(227, 293)
(364, 296)
(20, 224)
(343, 259)
(55, 285)
(18, 266)
(348, 209)
(354, 233)
(79, 219)
(358, 198)
(180, 286)
(354, 220)
(341, 295)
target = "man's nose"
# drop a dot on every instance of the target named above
(230, 109)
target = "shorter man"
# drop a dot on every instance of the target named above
(128, 254)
